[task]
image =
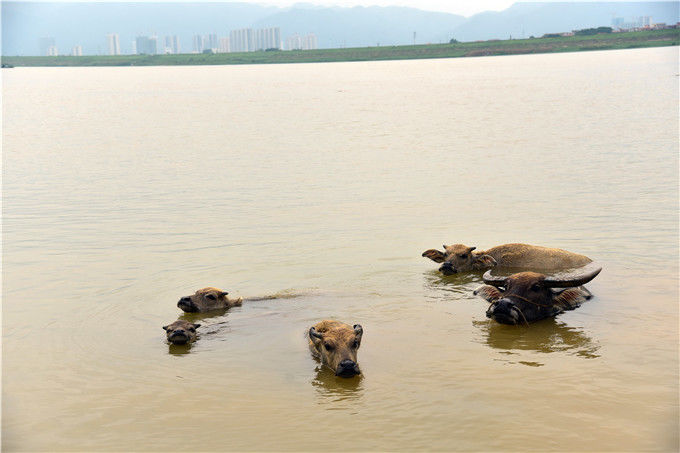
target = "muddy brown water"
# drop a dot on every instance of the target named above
(126, 188)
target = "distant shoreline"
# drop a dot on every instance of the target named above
(604, 41)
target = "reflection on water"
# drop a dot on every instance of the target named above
(179, 349)
(547, 336)
(456, 286)
(197, 317)
(335, 389)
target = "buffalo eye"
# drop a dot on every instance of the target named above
(211, 297)
(191, 329)
(463, 256)
(328, 346)
(355, 345)
(536, 287)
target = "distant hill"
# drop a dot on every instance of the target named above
(365, 26)
(527, 19)
(87, 23)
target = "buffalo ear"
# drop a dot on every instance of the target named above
(358, 330)
(483, 262)
(223, 293)
(196, 326)
(166, 327)
(488, 292)
(434, 255)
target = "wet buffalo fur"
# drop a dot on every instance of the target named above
(526, 297)
(336, 345)
(181, 332)
(207, 299)
(462, 258)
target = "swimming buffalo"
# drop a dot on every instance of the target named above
(336, 344)
(461, 258)
(181, 332)
(529, 296)
(207, 299)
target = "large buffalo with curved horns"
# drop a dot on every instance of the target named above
(461, 258)
(529, 296)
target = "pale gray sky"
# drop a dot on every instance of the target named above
(462, 7)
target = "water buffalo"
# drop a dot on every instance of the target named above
(529, 296)
(181, 332)
(336, 344)
(207, 299)
(461, 258)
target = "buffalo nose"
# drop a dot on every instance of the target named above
(504, 306)
(347, 364)
(447, 268)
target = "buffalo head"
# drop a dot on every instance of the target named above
(337, 344)
(529, 296)
(459, 258)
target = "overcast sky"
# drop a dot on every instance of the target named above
(462, 7)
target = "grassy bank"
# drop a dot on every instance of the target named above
(654, 38)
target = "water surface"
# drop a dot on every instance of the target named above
(126, 188)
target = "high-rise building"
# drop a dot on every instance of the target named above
(267, 38)
(113, 43)
(45, 44)
(310, 42)
(172, 44)
(223, 45)
(146, 45)
(197, 46)
(168, 45)
(211, 42)
(52, 51)
(241, 40)
(294, 42)
(77, 51)
(175, 44)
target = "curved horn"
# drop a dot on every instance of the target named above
(223, 293)
(578, 277)
(494, 280)
(314, 334)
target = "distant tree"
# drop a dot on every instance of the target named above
(453, 41)
(593, 31)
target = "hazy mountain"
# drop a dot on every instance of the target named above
(86, 24)
(365, 26)
(527, 19)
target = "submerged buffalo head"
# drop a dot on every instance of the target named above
(181, 332)
(528, 296)
(336, 344)
(459, 258)
(207, 299)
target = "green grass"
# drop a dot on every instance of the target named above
(653, 38)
